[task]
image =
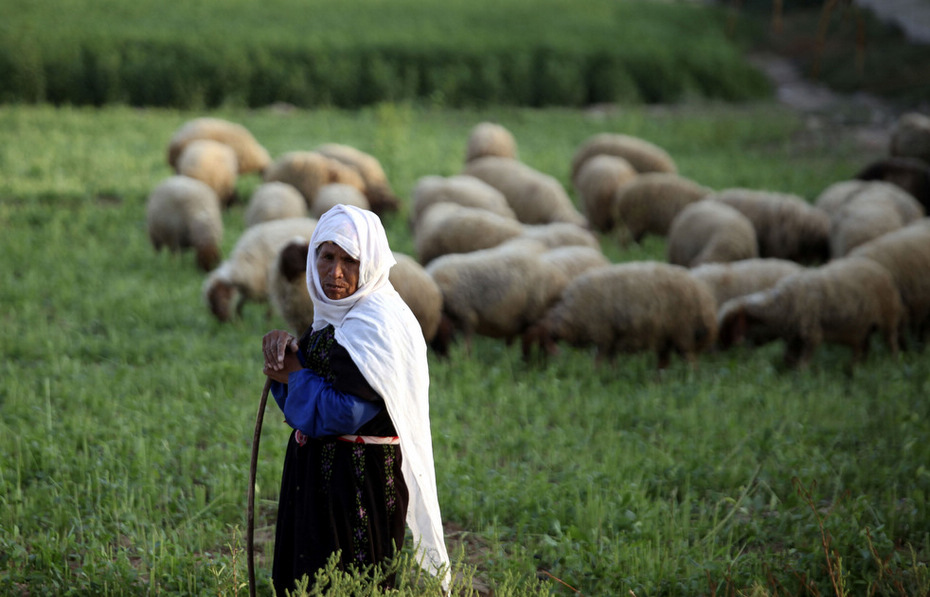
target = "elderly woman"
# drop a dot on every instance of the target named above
(355, 388)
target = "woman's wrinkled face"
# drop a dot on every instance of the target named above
(338, 271)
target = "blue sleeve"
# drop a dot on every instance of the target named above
(312, 405)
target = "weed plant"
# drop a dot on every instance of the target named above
(127, 411)
(351, 53)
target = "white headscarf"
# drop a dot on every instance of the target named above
(384, 340)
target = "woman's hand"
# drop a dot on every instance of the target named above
(279, 349)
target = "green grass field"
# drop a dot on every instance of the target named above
(127, 411)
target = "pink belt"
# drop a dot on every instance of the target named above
(370, 439)
(356, 439)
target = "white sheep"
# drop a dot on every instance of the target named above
(251, 156)
(213, 163)
(910, 174)
(243, 275)
(597, 181)
(710, 232)
(452, 228)
(419, 291)
(308, 171)
(490, 138)
(560, 234)
(910, 136)
(839, 194)
(631, 307)
(648, 203)
(274, 201)
(842, 302)
(534, 196)
(377, 190)
(183, 212)
(337, 193)
(644, 156)
(461, 189)
(905, 253)
(287, 285)
(739, 278)
(496, 292)
(787, 226)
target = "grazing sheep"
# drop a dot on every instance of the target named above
(643, 155)
(274, 201)
(461, 189)
(648, 203)
(598, 179)
(560, 234)
(250, 155)
(183, 212)
(489, 138)
(243, 276)
(377, 190)
(213, 163)
(905, 253)
(496, 292)
(910, 137)
(910, 174)
(308, 171)
(739, 278)
(839, 194)
(710, 232)
(842, 302)
(631, 307)
(452, 228)
(574, 260)
(787, 227)
(337, 193)
(287, 285)
(419, 291)
(535, 197)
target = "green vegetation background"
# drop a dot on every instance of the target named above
(126, 411)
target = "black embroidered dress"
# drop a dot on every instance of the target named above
(336, 494)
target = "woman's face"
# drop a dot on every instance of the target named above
(338, 271)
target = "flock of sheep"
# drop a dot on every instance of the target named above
(502, 249)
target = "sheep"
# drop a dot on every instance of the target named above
(574, 260)
(377, 188)
(462, 189)
(535, 197)
(213, 163)
(287, 285)
(307, 171)
(274, 201)
(243, 275)
(839, 194)
(648, 203)
(183, 212)
(787, 226)
(490, 138)
(560, 234)
(419, 291)
(905, 253)
(910, 174)
(496, 292)
(630, 307)
(739, 278)
(251, 156)
(842, 302)
(910, 137)
(709, 232)
(337, 193)
(452, 228)
(643, 155)
(598, 180)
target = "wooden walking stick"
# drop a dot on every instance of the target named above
(250, 523)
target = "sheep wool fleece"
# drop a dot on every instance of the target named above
(383, 337)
